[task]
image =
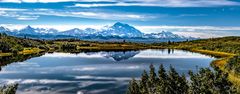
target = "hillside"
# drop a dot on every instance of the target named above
(12, 45)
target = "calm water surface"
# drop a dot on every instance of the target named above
(93, 72)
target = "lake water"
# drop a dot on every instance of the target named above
(93, 72)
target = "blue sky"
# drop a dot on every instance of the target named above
(186, 17)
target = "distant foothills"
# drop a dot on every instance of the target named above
(117, 32)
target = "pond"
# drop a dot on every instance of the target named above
(94, 72)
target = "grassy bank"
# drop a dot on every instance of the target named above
(5, 54)
(31, 51)
(213, 53)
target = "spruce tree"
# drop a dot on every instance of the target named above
(174, 84)
(205, 81)
(162, 80)
(143, 83)
(152, 79)
(133, 87)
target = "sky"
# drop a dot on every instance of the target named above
(197, 18)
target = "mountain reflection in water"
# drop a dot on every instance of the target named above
(104, 72)
(117, 56)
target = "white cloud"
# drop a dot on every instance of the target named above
(12, 9)
(34, 14)
(94, 15)
(34, 1)
(167, 3)
(103, 78)
(16, 13)
(27, 17)
(58, 27)
(13, 1)
(37, 81)
(160, 3)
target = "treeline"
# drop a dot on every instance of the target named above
(204, 81)
(225, 44)
(10, 44)
(14, 45)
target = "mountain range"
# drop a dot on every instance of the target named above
(117, 32)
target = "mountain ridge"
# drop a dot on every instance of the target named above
(116, 31)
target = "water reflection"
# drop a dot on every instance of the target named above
(117, 56)
(93, 72)
(16, 58)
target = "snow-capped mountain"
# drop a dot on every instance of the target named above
(116, 31)
(122, 30)
(73, 32)
(4, 30)
(37, 31)
(91, 31)
(163, 35)
(28, 30)
(46, 31)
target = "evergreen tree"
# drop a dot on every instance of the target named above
(133, 87)
(173, 81)
(162, 81)
(152, 79)
(204, 81)
(183, 87)
(143, 83)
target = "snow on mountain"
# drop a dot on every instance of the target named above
(4, 30)
(163, 35)
(46, 31)
(118, 30)
(73, 32)
(28, 30)
(37, 31)
(90, 31)
(122, 30)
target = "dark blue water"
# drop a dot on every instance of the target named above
(93, 72)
